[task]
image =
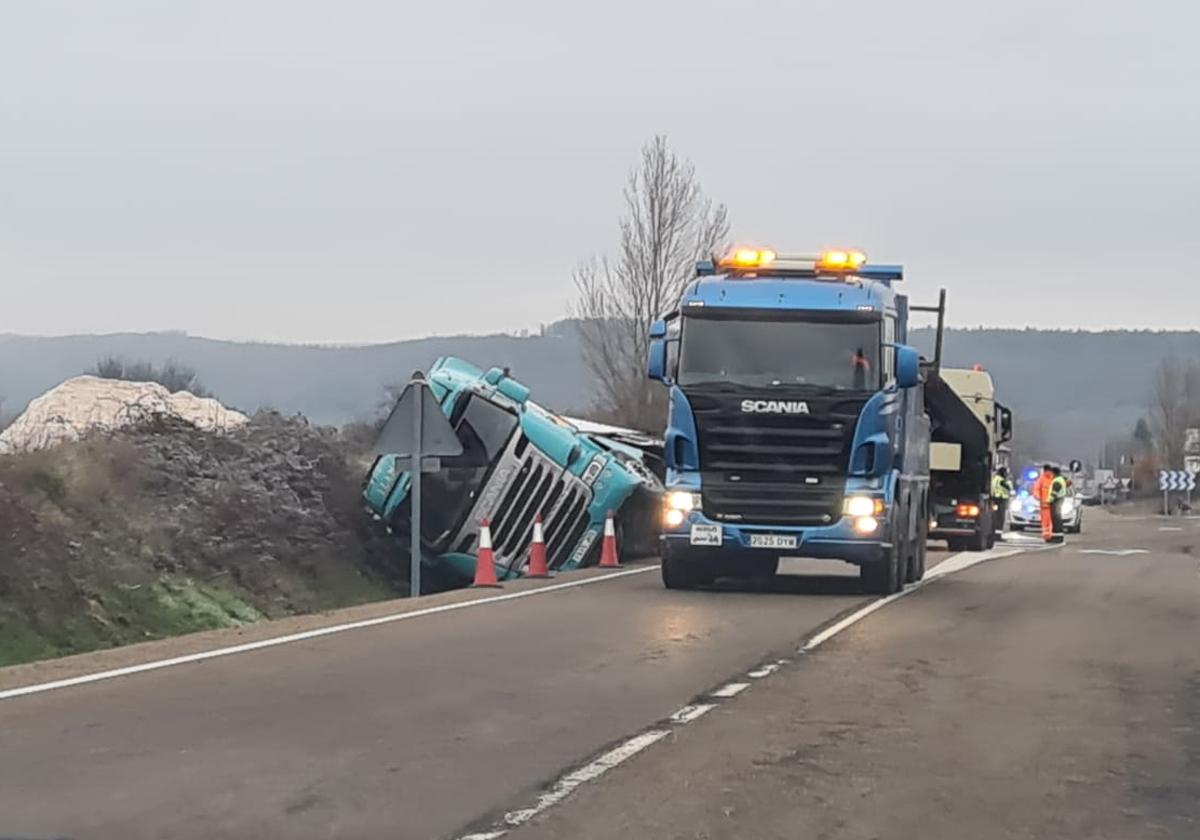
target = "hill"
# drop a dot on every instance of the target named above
(1069, 389)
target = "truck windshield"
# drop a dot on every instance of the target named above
(835, 356)
(448, 495)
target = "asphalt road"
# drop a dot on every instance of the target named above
(1051, 686)
(405, 730)
(1046, 695)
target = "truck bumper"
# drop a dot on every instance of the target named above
(830, 542)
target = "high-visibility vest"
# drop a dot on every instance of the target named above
(1000, 487)
(1058, 488)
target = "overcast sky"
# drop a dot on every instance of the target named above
(360, 171)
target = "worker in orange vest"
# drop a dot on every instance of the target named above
(1041, 492)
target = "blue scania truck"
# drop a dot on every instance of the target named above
(797, 423)
(519, 460)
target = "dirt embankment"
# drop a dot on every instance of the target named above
(164, 529)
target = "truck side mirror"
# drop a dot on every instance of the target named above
(1006, 426)
(908, 366)
(656, 361)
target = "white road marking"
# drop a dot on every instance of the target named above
(730, 690)
(308, 634)
(690, 713)
(1170, 528)
(593, 770)
(952, 564)
(767, 670)
(1118, 552)
(566, 785)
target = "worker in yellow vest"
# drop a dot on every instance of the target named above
(1002, 491)
(1058, 492)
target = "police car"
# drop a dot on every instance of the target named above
(1025, 512)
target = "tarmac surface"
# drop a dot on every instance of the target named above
(1053, 693)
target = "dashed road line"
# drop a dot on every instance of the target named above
(767, 670)
(730, 690)
(694, 711)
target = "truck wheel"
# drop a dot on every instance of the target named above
(681, 571)
(980, 540)
(765, 570)
(916, 561)
(883, 576)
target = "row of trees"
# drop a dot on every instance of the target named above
(1174, 408)
(1158, 438)
(173, 376)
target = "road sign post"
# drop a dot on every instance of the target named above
(418, 434)
(1175, 480)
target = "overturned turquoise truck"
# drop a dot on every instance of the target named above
(519, 460)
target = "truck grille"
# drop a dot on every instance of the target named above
(537, 485)
(783, 469)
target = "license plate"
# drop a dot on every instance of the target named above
(706, 535)
(772, 541)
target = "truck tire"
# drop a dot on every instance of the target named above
(920, 546)
(884, 576)
(681, 570)
(981, 540)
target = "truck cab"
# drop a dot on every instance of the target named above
(796, 427)
(519, 460)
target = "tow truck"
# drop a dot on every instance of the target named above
(797, 423)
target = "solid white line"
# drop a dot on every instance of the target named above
(951, 565)
(690, 713)
(307, 634)
(593, 770)
(1170, 528)
(854, 617)
(730, 690)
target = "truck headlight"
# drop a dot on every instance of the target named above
(862, 506)
(866, 524)
(683, 501)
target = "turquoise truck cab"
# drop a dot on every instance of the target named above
(518, 460)
(797, 423)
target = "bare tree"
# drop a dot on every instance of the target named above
(668, 225)
(173, 376)
(1173, 408)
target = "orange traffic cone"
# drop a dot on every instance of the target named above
(485, 562)
(608, 551)
(537, 552)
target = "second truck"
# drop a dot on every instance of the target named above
(969, 427)
(797, 423)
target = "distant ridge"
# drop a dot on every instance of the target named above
(1079, 386)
